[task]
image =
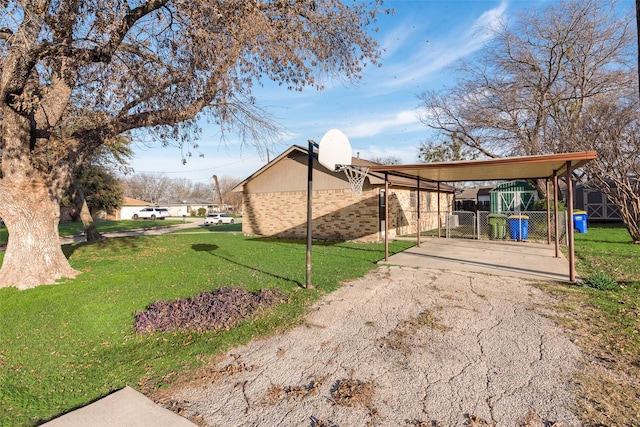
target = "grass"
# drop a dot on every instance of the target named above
(607, 248)
(237, 227)
(66, 345)
(66, 229)
(606, 324)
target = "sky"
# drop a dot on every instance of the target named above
(379, 115)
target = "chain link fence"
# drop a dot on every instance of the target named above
(524, 225)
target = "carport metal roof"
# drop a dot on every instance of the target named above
(526, 167)
(549, 166)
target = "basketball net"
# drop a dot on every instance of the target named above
(356, 176)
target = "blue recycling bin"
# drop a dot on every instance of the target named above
(518, 227)
(580, 221)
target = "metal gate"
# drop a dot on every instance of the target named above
(461, 224)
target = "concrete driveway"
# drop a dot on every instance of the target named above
(411, 344)
(505, 258)
(407, 345)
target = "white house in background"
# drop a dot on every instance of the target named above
(176, 207)
(129, 207)
(190, 207)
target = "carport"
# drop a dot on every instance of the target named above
(548, 167)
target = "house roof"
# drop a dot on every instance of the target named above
(183, 202)
(507, 168)
(375, 178)
(468, 194)
(130, 201)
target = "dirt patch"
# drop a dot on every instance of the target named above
(350, 392)
(404, 347)
(278, 393)
(400, 338)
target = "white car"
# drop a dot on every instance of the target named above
(218, 218)
(152, 213)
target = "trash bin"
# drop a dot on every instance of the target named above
(518, 227)
(497, 226)
(580, 221)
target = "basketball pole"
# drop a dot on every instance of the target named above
(312, 145)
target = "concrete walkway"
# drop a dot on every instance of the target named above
(502, 258)
(124, 408)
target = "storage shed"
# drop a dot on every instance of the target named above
(513, 196)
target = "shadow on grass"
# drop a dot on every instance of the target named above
(212, 248)
(114, 244)
(356, 246)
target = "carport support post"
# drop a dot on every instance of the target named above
(556, 213)
(572, 257)
(418, 229)
(386, 216)
(546, 183)
(439, 219)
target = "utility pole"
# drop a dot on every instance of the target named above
(215, 180)
(638, 35)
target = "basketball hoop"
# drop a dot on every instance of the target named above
(356, 176)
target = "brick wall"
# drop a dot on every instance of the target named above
(337, 215)
(403, 210)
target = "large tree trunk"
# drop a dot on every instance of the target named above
(91, 232)
(33, 256)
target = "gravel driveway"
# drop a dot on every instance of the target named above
(399, 347)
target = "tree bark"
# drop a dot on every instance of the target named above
(91, 233)
(34, 255)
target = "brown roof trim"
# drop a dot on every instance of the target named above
(525, 167)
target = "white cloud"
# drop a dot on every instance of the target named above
(430, 56)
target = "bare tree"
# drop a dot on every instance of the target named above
(455, 149)
(156, 188)
(148, 187)
(386, 160)
(613, 129)
(154, 64)
(536, 86)
(233, 199)
(201, 190)
(183, 188)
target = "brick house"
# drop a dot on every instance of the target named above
(274, 201)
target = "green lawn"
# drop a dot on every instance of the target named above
(607, 248)
(75, 228)
(606, 324)
(66, 345)
(237, 227)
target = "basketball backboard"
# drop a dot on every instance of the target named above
(334, 150)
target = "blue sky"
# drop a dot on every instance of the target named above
(379, 115)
